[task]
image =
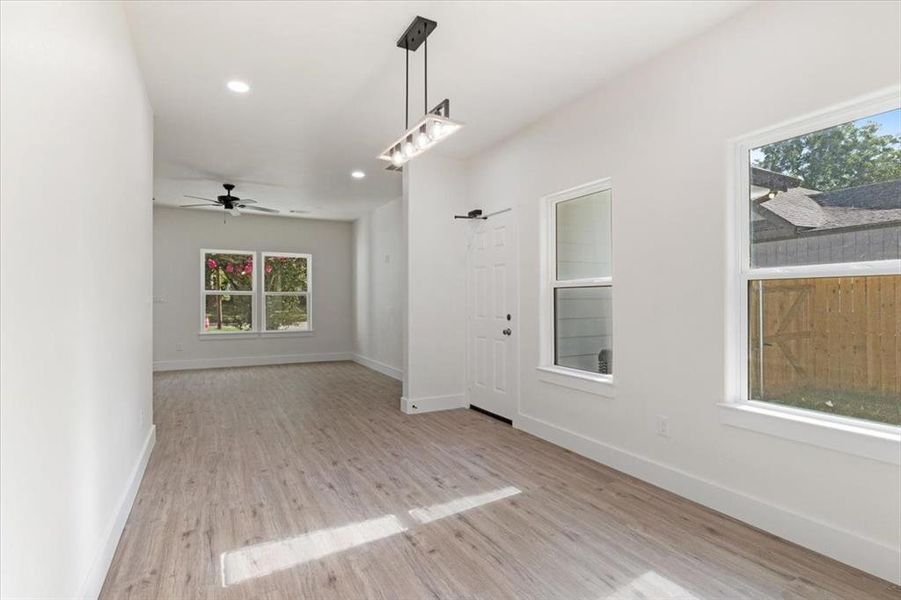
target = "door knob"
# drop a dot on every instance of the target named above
(507, 331)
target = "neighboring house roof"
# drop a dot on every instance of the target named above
(883, 195)
(812, 210)
(797, 207)
(771, 179)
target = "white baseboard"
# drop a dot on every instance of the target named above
(248, 361)
(379, 366)
(413, 406)
(97, 575)
(863, 553)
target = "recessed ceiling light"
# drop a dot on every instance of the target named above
(358, 174)
(240, 87)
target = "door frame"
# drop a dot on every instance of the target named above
(468, 358)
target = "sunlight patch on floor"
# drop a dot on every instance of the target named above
(439, 511)
(651, 585)
(267, 558)
(270, 557)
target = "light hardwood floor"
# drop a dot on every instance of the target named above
(306, 481)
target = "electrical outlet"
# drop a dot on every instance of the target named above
(387, 258)
(662, 426)
(179, 347)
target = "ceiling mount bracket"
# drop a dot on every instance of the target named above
(416, 33)
(442, 109)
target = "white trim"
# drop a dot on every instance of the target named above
(308, 292)
(549, 282)
(381, 367)
(857, 108)
(283, 333)
(248, 361)
(855, 269)
(577, 191)
(874, 441)
(412, 406)
(848, 547)
(255, 334)
(591, 383)
(97, 575)
(579, 283)
(848, 435)
(231, 335)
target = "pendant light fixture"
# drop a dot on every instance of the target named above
(436, 124)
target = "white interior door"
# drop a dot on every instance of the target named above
(493, 328)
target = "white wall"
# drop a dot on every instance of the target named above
(661, 133)
(378, 288)
(75, 304)
(178, 237)
(434, 191)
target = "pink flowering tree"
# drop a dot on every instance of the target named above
(228, 273)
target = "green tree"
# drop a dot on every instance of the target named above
(839, 157)
(289, 275)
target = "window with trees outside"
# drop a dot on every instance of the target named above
(820, 276)
(579, 268)
(286, 289)
(228, 291)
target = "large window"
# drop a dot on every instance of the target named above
(230, 292)
(820, 272)
(578, 334)
(286, 290)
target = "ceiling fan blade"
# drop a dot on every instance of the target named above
(248, 201)
(193, 205)
(199, 198)
(261, 209)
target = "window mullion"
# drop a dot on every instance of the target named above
(593, 282)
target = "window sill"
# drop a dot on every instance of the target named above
(599, 385)
(227, 336)
(303, 333)
(255, 334)
(876, 441)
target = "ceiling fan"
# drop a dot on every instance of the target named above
(229, 203)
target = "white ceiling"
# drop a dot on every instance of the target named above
(327, 84)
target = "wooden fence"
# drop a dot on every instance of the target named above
(837, 333)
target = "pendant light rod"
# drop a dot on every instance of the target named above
(425, 90)
(407, 90)
(417, 32)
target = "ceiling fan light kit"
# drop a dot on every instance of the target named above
(436, 124)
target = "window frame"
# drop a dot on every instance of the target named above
(308, 293)
(205, 292)
(595, 383)
(879, 441)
